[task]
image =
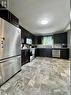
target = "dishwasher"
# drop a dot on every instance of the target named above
(56, 53)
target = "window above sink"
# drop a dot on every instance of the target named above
(47, 40)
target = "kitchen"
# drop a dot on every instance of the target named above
(35, 52)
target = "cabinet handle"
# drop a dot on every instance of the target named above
(3, 38)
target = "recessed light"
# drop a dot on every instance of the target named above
(44, 22)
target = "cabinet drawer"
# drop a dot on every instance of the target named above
(7, 70)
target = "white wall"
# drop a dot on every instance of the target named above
(69, 41)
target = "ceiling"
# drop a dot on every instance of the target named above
(42, 17)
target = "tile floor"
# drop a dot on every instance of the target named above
(42, 76)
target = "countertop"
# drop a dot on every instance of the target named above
(28, 48)
(46, 48)
(53, 48)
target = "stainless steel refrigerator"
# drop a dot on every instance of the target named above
(10, 50)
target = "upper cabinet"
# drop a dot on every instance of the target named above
(60, 38)
(8, 16)
(38, 39)
(26, 35)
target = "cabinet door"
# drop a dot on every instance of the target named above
(8, 16)
(60, 38)
(14, 20)
(64, 54)
(5, 14)
(44, 52)
(48, 52)
(25, 56)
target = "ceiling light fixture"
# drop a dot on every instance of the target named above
(44, 22)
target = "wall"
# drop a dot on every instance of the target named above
(69, 41)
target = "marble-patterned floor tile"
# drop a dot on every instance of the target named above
(42, 76)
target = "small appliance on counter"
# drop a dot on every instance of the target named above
(64, 46)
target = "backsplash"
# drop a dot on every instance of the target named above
(44, 46)
(57, 45)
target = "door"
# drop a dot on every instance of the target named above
(11, 40)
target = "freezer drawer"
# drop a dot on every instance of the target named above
(10, 67)
(16, 64)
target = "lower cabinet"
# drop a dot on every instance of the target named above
(64, 53)
(25, 56)
(9, 67)
(47, 52)
(43, 52)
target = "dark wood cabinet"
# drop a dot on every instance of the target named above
(41, 52)
(26, 34)
(25, 56)
(64, 53)
(8, 16)
(47, 52)
(14, 20)
(60, 38)
(5, 14)
(37, 39)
